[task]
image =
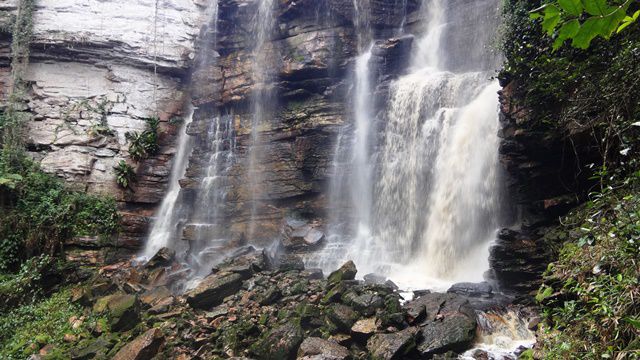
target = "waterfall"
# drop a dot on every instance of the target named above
(434, 200)
(264, 23)
(210, 242)
(165, 228)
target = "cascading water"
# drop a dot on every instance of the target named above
(172, 213)
(435, 200)
(165, 228)
(208, 224)
(264, 23)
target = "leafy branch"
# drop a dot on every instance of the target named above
(581, 21)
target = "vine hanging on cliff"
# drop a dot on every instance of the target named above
(13, 118)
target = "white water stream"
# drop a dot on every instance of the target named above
(425, 202)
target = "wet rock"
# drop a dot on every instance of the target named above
(163, 257)
(280, 343)
(393, 345)
(317, 349)
(298, 235)
(342, 316)
(144, 347)
(247, 262)
(345, 272)
(483, 289)
(480, 355)
(213, 289)
(121, 309)
(269, 296)
(290, 262)
(374, 279)
(449, 324)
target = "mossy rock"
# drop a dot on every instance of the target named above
(122, 310)
(279, 344)
(347, 271)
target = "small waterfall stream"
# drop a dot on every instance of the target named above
(165, 228)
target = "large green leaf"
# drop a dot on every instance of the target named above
(567, 31)
(597, 7)
(588, 31)
(572, 7)
(551, 18)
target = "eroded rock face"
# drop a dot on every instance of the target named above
(97, 70)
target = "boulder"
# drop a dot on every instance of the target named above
(247, 262)
(483, 289)
(213, 289)
(280, 343)
(290, 262)
(155, 295)
(122, 310)
(144, 347)
(374, 279)
(366, 303)
(448, 323)
(364, 327)
(393, 345)
(342, 316)
(298, 235)
(163, 257)
(345, 272)
(315, 348)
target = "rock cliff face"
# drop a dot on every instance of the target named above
(311, 58)
(97, 69)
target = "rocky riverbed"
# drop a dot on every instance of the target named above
(258, 306)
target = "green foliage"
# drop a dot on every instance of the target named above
(585, 97)
(24, 330)
(26, 285)
(589, 296)
(39, 213)
(125, 175)
(583, 20)
(145, 144)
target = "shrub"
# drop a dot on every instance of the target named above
(125, 175)
(145, 144)
(40, 213)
